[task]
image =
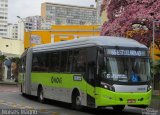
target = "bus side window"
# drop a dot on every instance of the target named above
(79, 61)
(70, 61)
(63, 62)
(22, 65)
(91, 72)
(91, 65)
(55, 62)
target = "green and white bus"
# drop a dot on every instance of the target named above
(97, 71)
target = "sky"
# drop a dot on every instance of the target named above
(24, 8)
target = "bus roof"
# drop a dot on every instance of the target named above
(90, 41)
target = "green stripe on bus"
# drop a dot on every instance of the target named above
(62, 81)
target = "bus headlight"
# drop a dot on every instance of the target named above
(107, 86)
(149, 87)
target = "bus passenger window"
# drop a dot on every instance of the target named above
(79, 61)
(55, 62)
(91, 72)
(70, 62)
(63, 62)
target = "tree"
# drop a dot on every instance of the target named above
(156, 67)
(14, 67)
(2, 58)
(132, 15)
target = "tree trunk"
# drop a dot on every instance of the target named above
(1, 71)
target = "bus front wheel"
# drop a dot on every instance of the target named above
(76, 101)
(40, 95)
(118, 108)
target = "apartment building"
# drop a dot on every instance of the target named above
(3, 17)
(23, 26)
(98, 7)
(58, 33)
(35, 21)
(12, 31)
(68, 14)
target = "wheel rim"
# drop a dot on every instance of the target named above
(78, 100)
(41, 95)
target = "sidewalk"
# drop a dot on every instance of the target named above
(8, 82)
(8, 87)
(155, 102)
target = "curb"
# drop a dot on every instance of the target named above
(156, 97)
(7, 83)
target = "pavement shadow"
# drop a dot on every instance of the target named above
(84, 110)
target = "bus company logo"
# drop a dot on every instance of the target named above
(149, 111)
(56, 80)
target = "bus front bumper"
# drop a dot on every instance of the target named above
(109, 98)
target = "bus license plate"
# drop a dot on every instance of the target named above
(131, 101)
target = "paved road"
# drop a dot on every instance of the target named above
(11, 98)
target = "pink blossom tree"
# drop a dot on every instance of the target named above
(130, 15)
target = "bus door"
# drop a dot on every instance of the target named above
(26, 72)
(91, 72)
(22, 73)
(91, 85)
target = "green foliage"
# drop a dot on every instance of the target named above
(2, 58)
(156, 69)
(16, 60)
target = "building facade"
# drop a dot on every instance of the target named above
(98, 7)
(46, 25)
(68, 14)
(3, 17)
(23, 26)
(12, 31)
(35, 21)
(59, 33)
(101, 11)
(11, 48)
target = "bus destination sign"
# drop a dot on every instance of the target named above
(125, 52)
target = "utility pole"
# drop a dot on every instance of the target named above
(26, 31)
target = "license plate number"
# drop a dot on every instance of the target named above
(131, 101)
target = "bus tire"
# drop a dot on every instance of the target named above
(40, 95)
(118, 108)
(76, 101)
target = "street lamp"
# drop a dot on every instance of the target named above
(22, 21)
(23, 24)
(25, 30)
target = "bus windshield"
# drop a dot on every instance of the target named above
(126, 69)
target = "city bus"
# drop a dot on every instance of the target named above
(95, 72)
